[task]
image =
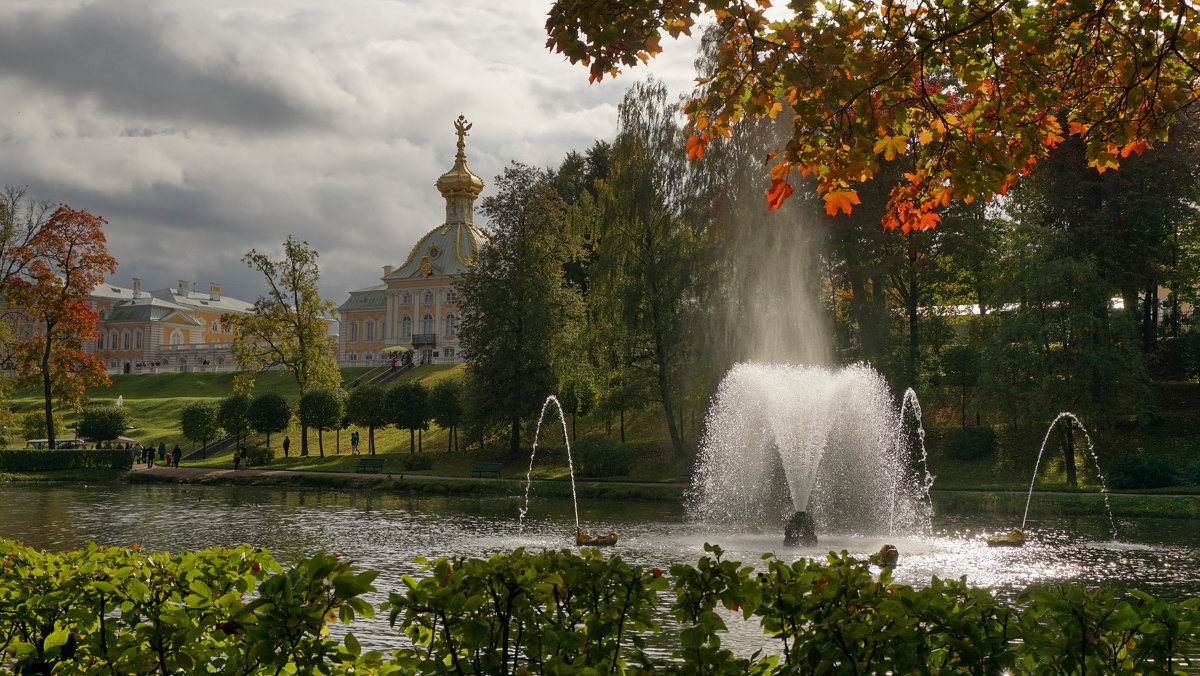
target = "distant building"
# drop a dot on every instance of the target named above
(173, 329)
(416, 305)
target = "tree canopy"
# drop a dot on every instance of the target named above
(979, 92)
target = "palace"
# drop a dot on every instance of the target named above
(416, 305)
(173, 329)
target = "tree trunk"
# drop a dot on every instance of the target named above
(963, 406)
(412, 444)
(420, 441)
(1149, 319)
(371, 439)
(514, 446)
(48, 406)
(269, 442)
(622, 425)
(321, 442)
(304, 440)
(1068, 438)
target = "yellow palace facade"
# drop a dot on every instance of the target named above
(416, 304)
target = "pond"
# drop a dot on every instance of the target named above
(386, 532)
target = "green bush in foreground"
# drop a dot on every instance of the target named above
(107, 610)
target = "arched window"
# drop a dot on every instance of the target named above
(407, 300)
(368, 332)
(125, 340)
(451, 325)
(427, 323)
(176, 337)
(137, 339)
(216, 326)
(367, 356)
(353, 357)
(112, 339)
(353, 332)
(383, 329)
(100, 340)
(406, 327)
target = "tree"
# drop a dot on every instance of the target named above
(268, 413)
(288, 327)
(200, 421)
(981, 91)
(364, 407)
(33, 425)
(577, 393)
(446, 406)
(231, 413)
(322, 409)
(649, 243)
(60, 265)
(406, 405)
(514, 299)
(961, 364)
(102, 423)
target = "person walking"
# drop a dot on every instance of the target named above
(178, 453)
(162, 451)
(149, 457)
(287, 443)
(354, 442)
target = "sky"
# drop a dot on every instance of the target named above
(201, 129)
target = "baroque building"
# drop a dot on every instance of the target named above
(416, 304)
(172, 329)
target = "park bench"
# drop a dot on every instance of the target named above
(482, 468)
(370, 465)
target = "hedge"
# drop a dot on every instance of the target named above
(31, 460)
(236, 611)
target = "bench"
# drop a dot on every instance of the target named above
(370, 465)
(482, 468)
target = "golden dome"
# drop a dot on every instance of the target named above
(460, 179)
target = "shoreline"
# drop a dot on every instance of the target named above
(996, 501)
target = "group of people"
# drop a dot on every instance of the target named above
(146, 454)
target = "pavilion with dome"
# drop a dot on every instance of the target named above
(416, 306)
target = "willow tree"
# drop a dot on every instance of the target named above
(288, 328)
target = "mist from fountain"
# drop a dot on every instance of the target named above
(533, 454)
(782, 438)
(1095, 462)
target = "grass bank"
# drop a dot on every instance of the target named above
(87, 475)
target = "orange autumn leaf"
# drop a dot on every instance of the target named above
(840, 200)
(695, 147)
(778, 193)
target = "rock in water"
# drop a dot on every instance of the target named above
(800, 531)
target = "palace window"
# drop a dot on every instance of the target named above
(100, 340)
(112, 339)
(383, 329)
(216, 326)
(367, 356)
(125, 340)
(449, 353)
(368, 333)
(176, 337)
(407, 300)
(353, 357)
(427, 324)
(353, 332)
(451, 325)
(137, 339)
(451, 296)
(429, 298)
(406, 327)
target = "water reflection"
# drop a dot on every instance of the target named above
(386, 532)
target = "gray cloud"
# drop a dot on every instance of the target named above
(202, 130)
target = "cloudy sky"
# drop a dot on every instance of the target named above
(203, 128)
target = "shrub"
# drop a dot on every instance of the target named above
(414, 462)
(600, 456)
(1142, 470)
(1190, 476)
(259, 455)
(971, 443)
(38, 460)
(103, 422)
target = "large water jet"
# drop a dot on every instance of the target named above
(783, 439)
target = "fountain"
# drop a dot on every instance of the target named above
(581, 536)
(824, 443)
(1095, 461)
